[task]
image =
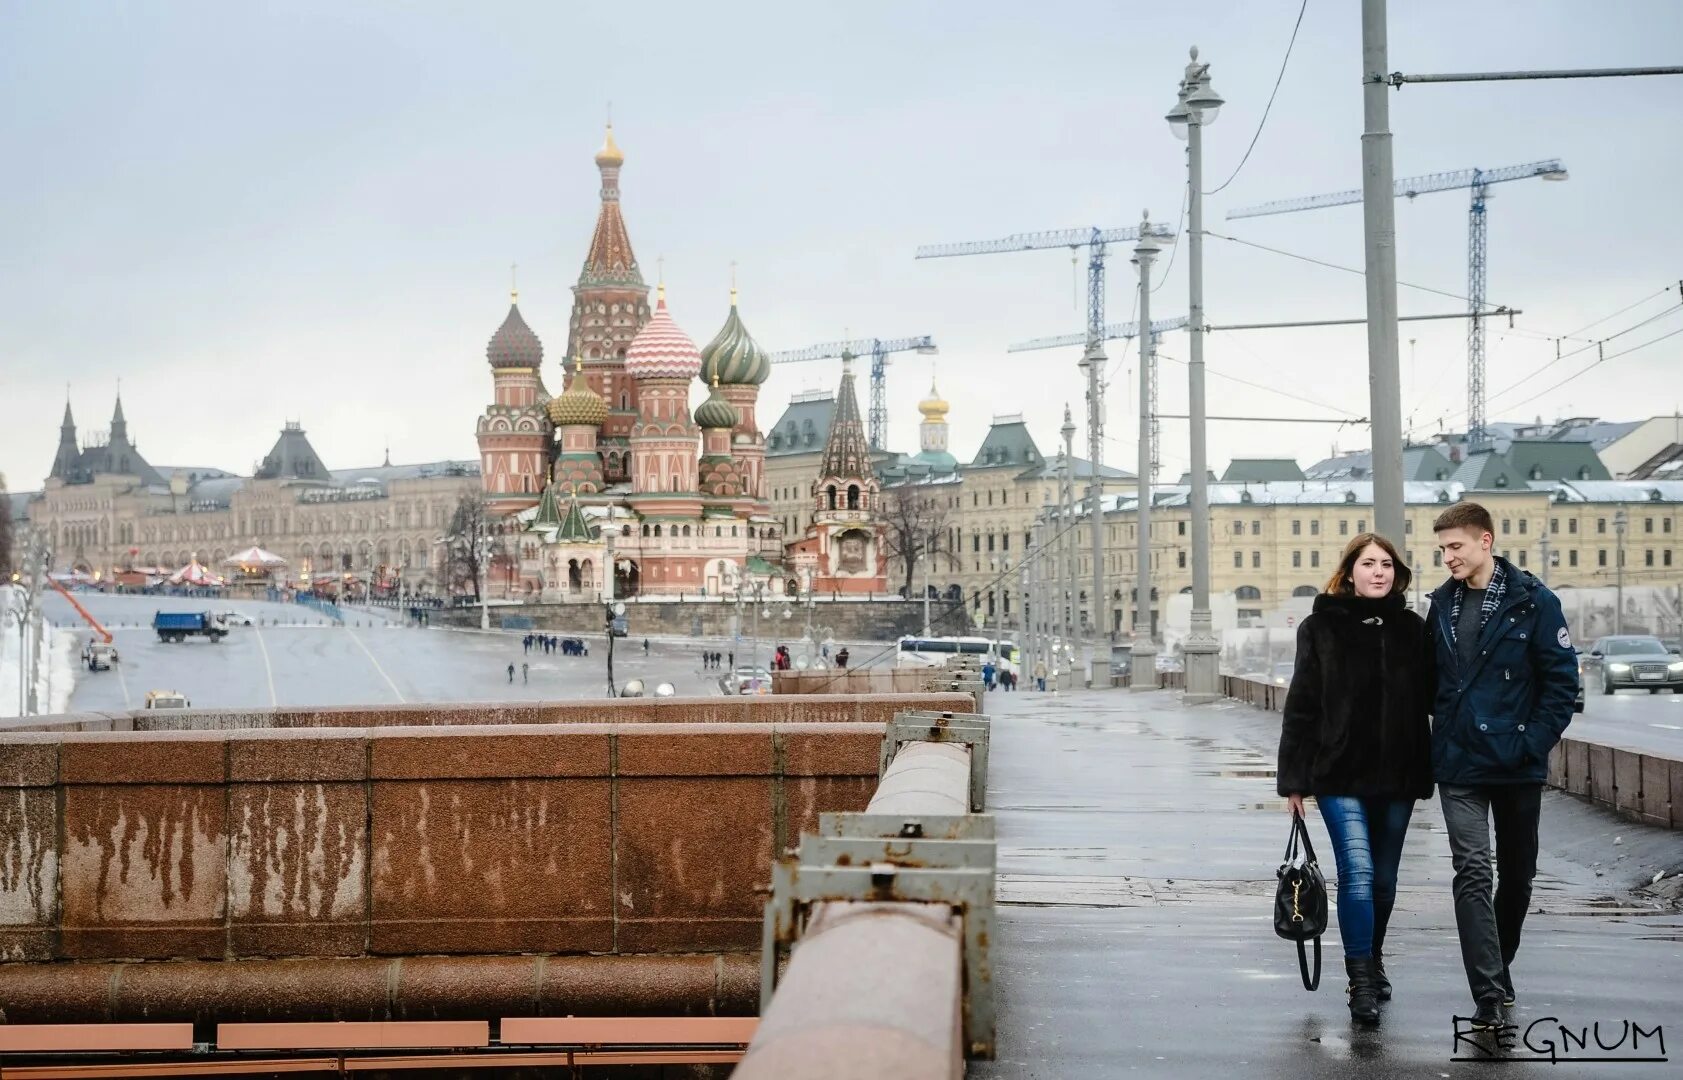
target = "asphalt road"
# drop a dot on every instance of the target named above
(294, 656)
(1137, 843)
(1632, 719)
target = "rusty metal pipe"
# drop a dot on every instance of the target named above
(378, 988)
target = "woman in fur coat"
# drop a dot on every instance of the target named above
(1355, 736)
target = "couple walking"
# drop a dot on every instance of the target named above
(1493, 665)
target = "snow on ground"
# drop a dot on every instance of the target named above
(56, 676)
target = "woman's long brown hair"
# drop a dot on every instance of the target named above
(1343, 580)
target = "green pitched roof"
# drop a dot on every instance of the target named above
(549, 513)
(1261, 471)
(1008, 442)
(575, 530)
(1551, 459)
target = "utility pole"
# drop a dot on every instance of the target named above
(1143, 655)
(1544, 544)
(1380, 250)
(1094, 361)
(927, 554)
(1197, 105)
(1066, 541)
(1620, 521)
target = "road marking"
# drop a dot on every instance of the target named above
(376, 663)
(1668, 727)
(124, 683)
(268, 669)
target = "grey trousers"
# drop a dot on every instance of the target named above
(1491, 898)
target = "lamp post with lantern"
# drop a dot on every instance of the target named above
(1197, 105)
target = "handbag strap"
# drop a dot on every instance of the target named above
(1314, 983)
(1301, 829)
(1291, 841)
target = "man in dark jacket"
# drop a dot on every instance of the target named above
(1506, 677)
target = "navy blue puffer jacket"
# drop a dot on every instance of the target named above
(1496, 721)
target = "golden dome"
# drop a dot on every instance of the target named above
(933, 407)
(610, 154)
(579, 405)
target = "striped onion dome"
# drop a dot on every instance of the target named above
(514, 345)
(716, 412)
(661, 350)
(733, 357)
(578, 405)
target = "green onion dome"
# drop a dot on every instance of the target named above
(716, 412)
(733, 357)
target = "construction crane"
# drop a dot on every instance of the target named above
(1116, 332)
(1479, 181)
(104, 634)
(879, 350)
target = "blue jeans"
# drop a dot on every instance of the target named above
(1367, 838)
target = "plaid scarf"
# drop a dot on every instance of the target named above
(1492, 600)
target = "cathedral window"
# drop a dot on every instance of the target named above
(657, 532)
(853, 496)
(831, 492)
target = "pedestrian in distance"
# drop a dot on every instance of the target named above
(733, 658)
(987, 674)
(1040, 675)
(523, 674)
(841, 658)
(511, 674)
(1354, 735)
(645, 646)
(1506, 680)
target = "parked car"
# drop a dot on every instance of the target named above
(99, 656)
(1634, 662)
(747, 680)
(234, 618)
(167, 699)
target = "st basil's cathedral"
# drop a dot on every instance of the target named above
(618, 468)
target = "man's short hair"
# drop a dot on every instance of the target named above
(1465, 515)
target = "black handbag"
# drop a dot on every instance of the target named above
(1300, 900)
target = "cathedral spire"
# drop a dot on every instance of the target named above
(611, 260)
(119, 425)
(846, 453)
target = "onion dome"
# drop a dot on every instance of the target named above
(610, 154)
(716, 412)
(934, 407)
(579, 405)
(514, 345)
(733, 357)
(661, 350)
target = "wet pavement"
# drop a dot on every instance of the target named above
(1138, 842)
(294, 656)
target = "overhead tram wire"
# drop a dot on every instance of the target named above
(1621, 311)
(1591, 366)
(1494, 308)
(1285, 60)
(1580, 351)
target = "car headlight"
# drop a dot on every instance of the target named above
(1618, 667)
(1677, 667)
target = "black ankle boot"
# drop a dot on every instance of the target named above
(1383, 983)
(1364, 990)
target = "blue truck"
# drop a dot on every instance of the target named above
(180, 625)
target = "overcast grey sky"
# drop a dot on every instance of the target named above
(258, 212)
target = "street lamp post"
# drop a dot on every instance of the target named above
(1379, 222)
(1543, 571)
(1620, 521)
(928, 535)
(1143, 655)
(1197, 106)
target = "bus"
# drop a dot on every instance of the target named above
(936, 651)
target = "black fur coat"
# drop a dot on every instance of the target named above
(1355, 718)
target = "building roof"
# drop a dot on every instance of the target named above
(1261, 470)
(18, 502)
(1527, 460)
(733, 357)
(1423, 463)
(1080, 468)
(804, 427)
(292, 457)
(1007, 442)
(1665, 465)
(425, 470)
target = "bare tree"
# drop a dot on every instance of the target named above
(5, 530)
(468, 544)
(915, 527)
